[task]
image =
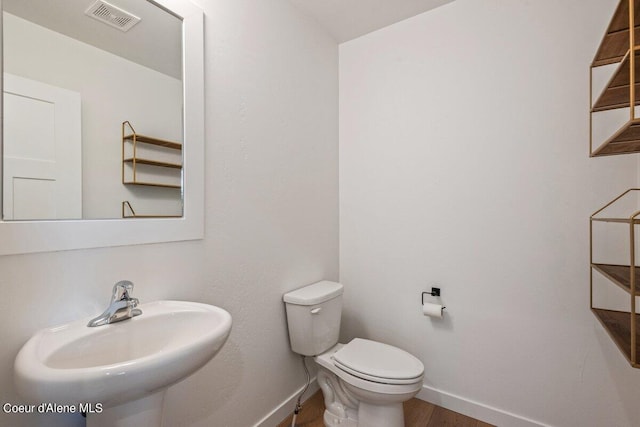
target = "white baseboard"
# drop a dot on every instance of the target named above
(480, 411)
(475, 410)
(276, 416)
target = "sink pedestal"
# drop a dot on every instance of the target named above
(142, 412)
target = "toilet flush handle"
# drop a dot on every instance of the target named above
(316, 310)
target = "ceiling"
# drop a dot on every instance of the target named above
(348, 19)
(155, 42)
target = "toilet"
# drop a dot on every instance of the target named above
(364, 382)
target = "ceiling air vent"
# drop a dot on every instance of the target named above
(112, 15)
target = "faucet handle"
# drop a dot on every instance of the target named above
(121, 290)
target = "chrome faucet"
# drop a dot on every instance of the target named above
(122, 306)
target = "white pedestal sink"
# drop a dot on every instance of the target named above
(126, 366)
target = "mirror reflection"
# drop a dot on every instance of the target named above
(92, 110)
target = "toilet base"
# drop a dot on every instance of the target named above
(381, 415)
(343, 409)
(369, 416)
(330, 420)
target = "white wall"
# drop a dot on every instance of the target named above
(271, 221)
(112, 90)
(464, 162)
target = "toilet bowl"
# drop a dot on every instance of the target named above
(364, 382)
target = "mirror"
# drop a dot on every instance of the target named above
(74, 72)
(25, 236)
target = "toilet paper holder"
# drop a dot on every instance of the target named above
(435, 292)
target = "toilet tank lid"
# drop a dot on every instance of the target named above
(314, 294)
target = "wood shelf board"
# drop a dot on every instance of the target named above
(616, 94)
(153, 141)
(615, 42)
(153, 163)
(618, 325)
(152, 184)
(625, 141)
(620, 275)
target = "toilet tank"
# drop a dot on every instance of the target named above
(313, 317)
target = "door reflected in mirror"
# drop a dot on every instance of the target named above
(71, 82)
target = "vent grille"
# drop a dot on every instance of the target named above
(112, 15)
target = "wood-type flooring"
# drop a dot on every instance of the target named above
(417, 413)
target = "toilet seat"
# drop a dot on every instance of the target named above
(378, 362)
(327, 361)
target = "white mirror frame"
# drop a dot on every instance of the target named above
(19, 237)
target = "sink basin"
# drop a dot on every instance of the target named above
(74, 364)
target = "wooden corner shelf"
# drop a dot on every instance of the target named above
(150, 167)
(625, 141)
(619, 274)
(616, 92)
(618, 326)
(622, 326)
(142, 161)
(128, 212)
(130, 177)
(615, 42)
(619, 45)
(153, 141)
(152, 184)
